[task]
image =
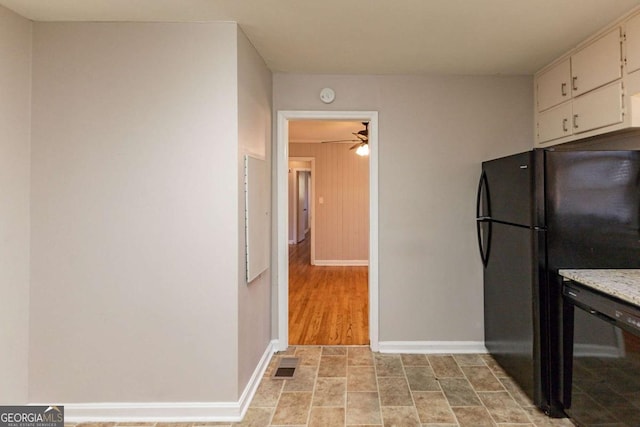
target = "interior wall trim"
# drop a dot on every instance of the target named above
(342, 262)
(281, 265)
(432, 347)
(171, 411)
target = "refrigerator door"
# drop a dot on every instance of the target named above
(511, 307)
(510, 189)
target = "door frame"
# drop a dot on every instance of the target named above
(282, 227)
(312, 205)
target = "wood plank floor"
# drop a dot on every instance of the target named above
(327, 305)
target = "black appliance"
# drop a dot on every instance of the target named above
(601, 381)
(537, 212)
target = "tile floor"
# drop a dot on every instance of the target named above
(351, 386)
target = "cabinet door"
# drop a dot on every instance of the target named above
(555, 122)
(600, 108)
(597, 64)
(553, 86)
(632, 31)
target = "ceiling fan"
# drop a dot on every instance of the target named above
(362, 139)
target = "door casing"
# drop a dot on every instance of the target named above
(281, 160)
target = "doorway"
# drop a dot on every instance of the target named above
(282, 175)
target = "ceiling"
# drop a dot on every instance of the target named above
(373, 36)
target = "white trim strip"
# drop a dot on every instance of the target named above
(172, 411)
(432, 347)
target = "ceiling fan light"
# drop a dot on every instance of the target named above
(363, 150)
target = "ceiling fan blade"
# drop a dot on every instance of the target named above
(353, 147)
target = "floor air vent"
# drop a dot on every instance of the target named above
(286, 368)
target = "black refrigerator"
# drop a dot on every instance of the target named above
(538, 212)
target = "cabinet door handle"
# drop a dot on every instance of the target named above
(563, 89)
(574, 82)
(564, 125)
(575, 121)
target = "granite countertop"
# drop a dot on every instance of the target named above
(623, 284)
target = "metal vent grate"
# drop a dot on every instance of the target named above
(286, 368)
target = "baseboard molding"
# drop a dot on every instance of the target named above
(431, 347)
(172, 411)
(292, 242)
(341, 262)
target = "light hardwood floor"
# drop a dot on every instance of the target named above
(327, 305)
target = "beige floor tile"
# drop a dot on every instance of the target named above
(309, 355)
(459, 392)
(333, 366)
(444, 366)
(359, 356)
(303, 380)
(388, 365)
(433, 408)
(107, 424)
(482, 379)
(293, 408)
(473, 417)
(363, 408)
(334, 351)
(327, 417)
(503, 408)
(134, 424)
(268, 393)
(541, 420)
(516, 392)
(361, 378)
(330, 392)
(421, 378)
(403, 416)
(468, 360)
(414, 360)
(256, 417)
(394, 391)
(494, 366)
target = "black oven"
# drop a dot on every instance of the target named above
(600, 358)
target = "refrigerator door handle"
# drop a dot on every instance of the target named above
(483, 217)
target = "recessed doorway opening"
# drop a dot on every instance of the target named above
(328, 284)
(348, 207)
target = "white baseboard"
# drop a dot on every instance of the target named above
(172, 411)
(341, 262)
(431, 347)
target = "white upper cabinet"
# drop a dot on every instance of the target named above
(555, 122)
(597, 64)
(553, 86)
(597, 109)
(602, 91)
(632, 36)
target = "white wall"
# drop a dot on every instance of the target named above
(134, 217)
(434, 132)
(254, 137)
(15, 127)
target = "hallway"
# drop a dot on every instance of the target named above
(327, 305)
